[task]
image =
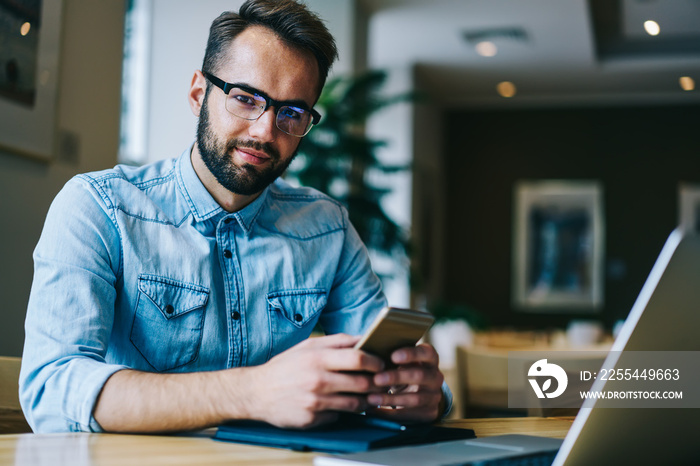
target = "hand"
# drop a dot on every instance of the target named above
(309, 383)
(413, 390)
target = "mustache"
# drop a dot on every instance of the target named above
(266, 147)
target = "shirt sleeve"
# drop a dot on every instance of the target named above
(356, 295)
(449, 400)
(70, 312)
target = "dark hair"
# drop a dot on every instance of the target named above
(290, 20)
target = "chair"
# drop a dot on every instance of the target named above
(482, 382)
(11, 417)
(482, 379)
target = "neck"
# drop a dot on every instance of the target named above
(229, 201)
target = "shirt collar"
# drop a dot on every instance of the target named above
(247, 215)
(203, 205)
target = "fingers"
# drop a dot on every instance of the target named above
(422, 353)
(333, 353)
(427, 399)
(339, 340)
(310, 418)
(417, 366)
(348, 403)
(413, 404)
(322, 410)
(352, 360)
(424, 376)
(415, 386)
(327, 383)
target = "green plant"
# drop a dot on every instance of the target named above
(337, 156)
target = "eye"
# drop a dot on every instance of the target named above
(293, 113)
(243, 98)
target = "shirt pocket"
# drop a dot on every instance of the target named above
(293, 316)
(169, 321)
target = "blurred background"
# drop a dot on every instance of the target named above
(499, 98)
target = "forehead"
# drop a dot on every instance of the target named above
(259, 58)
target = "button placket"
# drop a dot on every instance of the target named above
(226, 243)
(227, 252)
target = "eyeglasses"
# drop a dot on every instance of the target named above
(293, 118)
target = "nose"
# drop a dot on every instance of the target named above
(265, 126)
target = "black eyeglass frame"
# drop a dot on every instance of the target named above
(269, 101)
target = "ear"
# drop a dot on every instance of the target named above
(197, 90)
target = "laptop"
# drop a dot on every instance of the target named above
(665, 317)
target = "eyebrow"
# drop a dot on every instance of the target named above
(291, 103)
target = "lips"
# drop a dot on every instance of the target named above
(251, 156)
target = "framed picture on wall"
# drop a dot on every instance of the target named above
(558, 246)
(29, 57)
(689, 207)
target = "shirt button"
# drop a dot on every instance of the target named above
(298, 317)
(169, 309)
(227, 220)
(235, 315)
(227, 254)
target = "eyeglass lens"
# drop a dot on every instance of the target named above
(292, 120)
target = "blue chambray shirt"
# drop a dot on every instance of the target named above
(141, 268)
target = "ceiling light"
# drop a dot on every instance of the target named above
(652, 28)
(24, 30)
(486, 48)
(687, 83)
(506, 89)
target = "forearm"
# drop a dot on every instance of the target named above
(133, 401)
(301, 387)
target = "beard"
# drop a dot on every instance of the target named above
(217, 157)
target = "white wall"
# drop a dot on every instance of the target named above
(179, 37)
(395, 126)
(88, 109)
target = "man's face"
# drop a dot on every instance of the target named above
(246, 156)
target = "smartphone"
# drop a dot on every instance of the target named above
(394, 328)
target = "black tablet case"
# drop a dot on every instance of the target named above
(348, 435)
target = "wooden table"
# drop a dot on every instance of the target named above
(199, 449)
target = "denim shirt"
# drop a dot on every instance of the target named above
(141, 268)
